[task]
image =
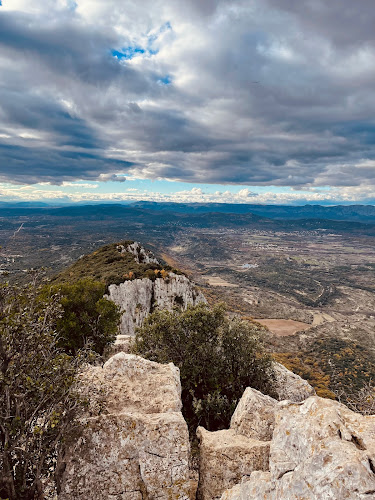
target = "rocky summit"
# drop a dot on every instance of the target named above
(136, 281)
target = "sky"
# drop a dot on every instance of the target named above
(241, 101)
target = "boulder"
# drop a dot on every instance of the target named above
(320, 449)
(229, 456)
(290, 386)
(260, 486)
(133, 442)
(226, 457)
(254, 416)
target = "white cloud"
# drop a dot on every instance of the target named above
(80, 185)
(194, 195)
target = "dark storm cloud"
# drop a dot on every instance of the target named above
(41, 113)
(266, 92)
(31, 165)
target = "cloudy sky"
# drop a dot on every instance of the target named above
(187, 100)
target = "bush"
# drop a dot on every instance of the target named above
(217, 357)
(37, 397)
(88, 319)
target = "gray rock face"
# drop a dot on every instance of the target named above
(133, 443)
(137, 298)
(290, 385)
(320, 449)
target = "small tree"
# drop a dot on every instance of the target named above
(37, 399)
(87, 318)
(218, 358)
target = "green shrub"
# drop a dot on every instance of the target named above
(88, 319)
(218, 358)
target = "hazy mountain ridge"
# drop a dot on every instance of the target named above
(360, 213)
(338, 212)
(359, 220)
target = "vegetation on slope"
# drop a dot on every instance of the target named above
(88, 320)
(110, 265)
(335, 367)
(218, 358)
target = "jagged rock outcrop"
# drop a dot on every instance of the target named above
(137, 298)
(289, 385)
(133, 442)
(141, 255)
(320, 449)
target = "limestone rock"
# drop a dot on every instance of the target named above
(137, 298)
(133, 443)
(141, 255)
(254, 416)
(226, 457)
(290, 385)
(178, 290)
(231, 455)
(122, 343)
(260, 487)
(320, 449)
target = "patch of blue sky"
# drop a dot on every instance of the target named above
(171, 187)
(165, 80)
(135, 188)
(163, 28)
(127, 53)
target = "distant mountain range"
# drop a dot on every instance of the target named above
(361, 213)
(196, 212)
(23, 204)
